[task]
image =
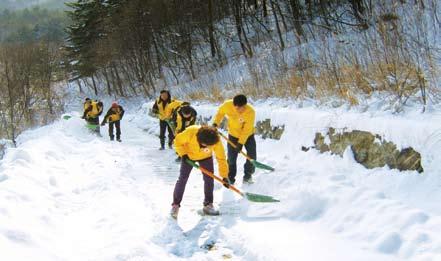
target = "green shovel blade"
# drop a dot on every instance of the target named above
(92, 126)
(261, 165)
(260, 198)
(66, 117)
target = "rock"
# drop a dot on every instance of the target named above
(409, 159)
(265, 129)
(369, 149)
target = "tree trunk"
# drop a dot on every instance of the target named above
(276, 19)
(95, 89)
(211, 28)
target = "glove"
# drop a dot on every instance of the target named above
(83, 117)
(227, 182)
(214, 125)
(103, 124)
(239, 147)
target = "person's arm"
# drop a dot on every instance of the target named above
(193, 120)
(106, 118)
(122, 112)
(86, 111)
(100, 108)
(171, 107)
(178, 120)
(220, 115)
(155, 108)
(221, 159)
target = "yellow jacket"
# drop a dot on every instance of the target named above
(171, 107)
(240, 126)
(186, 143)
(166, 112)
(92, 109)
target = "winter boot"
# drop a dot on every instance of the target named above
(209, 210)
(248, 180)
(174, 211)
(111, 138)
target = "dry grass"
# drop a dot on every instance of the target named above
(348, 83)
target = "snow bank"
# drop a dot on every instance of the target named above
(66, 194)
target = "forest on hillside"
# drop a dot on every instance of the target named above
(344, 50)
(31, 62)
(318, 49)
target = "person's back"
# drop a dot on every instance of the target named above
(184, 117)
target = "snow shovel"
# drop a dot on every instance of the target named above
(253, 161)
(250, 196)
(66, 117)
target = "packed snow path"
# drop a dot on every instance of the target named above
(66, 194)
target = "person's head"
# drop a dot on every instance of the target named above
(207, 136)
(114, 105)
(87, 100)
(240, 102)
(165, 95)
(186, 111)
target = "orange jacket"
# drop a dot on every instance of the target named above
(186, 143)
(240, 126)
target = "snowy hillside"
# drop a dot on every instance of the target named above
(68, 195)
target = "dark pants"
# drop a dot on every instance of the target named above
(94, 121)
(163, 125)
(250, 146)
(183, 177)
(118, 129)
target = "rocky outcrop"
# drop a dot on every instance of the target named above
(265, 129)
(369, 149)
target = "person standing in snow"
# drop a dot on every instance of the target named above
(92, 111)
(197, 143)
(114, 116)
(164, 106)
(241, 119)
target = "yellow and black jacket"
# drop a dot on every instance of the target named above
(114, 114)
(165, 108)
(186, 143)
(181, 122)
(240, 125)
(92, 109)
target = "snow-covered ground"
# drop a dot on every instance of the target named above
(66, 194)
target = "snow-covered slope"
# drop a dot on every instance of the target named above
(66, 194)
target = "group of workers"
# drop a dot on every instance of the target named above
(194, 143)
